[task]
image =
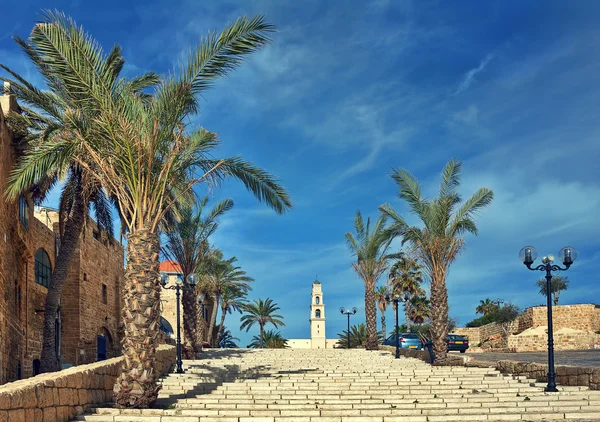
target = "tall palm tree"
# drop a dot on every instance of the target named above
(141, 150)
(261, 312)
(405, 279)
(370, 248)
(439, 242)
(272, 340)
(53, 118)
(486, 306)
(381, 296)
(219, 275)
(233, 299)
(187, 243)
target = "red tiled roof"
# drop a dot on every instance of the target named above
(170, 267)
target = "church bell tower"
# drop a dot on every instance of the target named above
(317, 317)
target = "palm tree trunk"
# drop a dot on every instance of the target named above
(190, 314)
(371, 316)
(223, 313)
(213, 319)
(200, 324)
(383, 328)
(439, 318)
(407, 316)
(69, 243)
(262, 336)
(136, 387)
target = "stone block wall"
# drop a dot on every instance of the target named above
(61, 396)
(585, 318)
(562, 341)
(565, 375)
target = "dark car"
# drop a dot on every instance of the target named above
(457, 343)
(407, 341)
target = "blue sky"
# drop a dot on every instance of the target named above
(349, 90)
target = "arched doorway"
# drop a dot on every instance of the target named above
(104, 344)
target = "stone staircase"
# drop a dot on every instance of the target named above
(335, 385)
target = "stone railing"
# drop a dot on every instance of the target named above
(61, 396)
(565, 375)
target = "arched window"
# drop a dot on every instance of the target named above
(317, 300)
(43, 270)
(318, 313)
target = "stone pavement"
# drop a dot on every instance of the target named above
(336, 385)
(571, 357)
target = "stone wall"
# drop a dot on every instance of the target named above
(585, 318)
(565, 375)
(61, 396)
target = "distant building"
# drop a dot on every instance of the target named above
(89, 320)
(169, 301)
(318, 339)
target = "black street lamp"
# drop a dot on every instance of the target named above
(192, 279)
(566, 255)
(348, 312)
(396, 300)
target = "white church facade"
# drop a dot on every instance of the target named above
(318, 338)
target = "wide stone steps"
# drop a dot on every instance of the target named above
(348, 386)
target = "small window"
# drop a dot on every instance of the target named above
(317, 300)
(43, 270)
(104, 294)
(318, 313)
(24, 212)
(84, 276)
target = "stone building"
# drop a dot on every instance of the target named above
(318, 338)
(89, 317)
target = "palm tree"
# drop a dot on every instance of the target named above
(486, 306)
(272, 340)
(405, 280)
(381, 295)
(261, 312)
(557, 284)
(187, 244)
(440, 241)
(358, 337)
(139, 147)
(419, 309)
(227, 340)
(233, 299)
(220, 274)
(52, 120)
(369, 247)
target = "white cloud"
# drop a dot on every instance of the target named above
(470, 75)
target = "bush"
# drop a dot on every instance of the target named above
(486, 319)
(502, 315)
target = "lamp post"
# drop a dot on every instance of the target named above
(348, 312)
(566, 255)
(192, 279)
(396, 301)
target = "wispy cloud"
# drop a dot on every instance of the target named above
(469, 77)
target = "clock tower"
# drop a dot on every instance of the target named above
(317, 317)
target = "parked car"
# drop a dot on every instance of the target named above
(407, 341)
(457, 343)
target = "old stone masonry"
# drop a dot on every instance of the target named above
(332, 385)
